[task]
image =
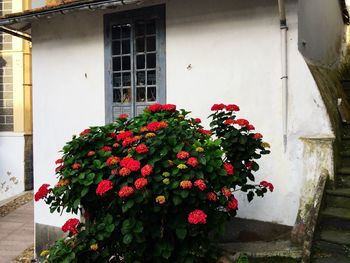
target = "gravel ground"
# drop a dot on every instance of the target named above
(14, 204)
(26, 256)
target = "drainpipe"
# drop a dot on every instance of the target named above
(284, 67)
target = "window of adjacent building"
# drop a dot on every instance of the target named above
(135, 61)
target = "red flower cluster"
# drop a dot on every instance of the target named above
(182, 155)
(129, 140)
(242, 122)
(76, 166)
(112, 160)
(126, 191)
(226, 192)
(232, 107)
(192, 161)
(197, 120)
(250, 127)
(103, 187)
(200, 184)
(140, 183)
(186, 184)
(267, 185)
(155, 126)
(106, 149)
(197, 217)
(123, 116)
(249, 164)
(124, 172)
(71, 226)
(130, 163)
(211, 196)
(91, 153)
(205, 132)
(42, 192)
(217, 107)
(124, 135)
(154, 107)
(158, 107)
(58, 161)
(229, 121)
(146, 170)
(258, 136)
(142, 148)
(59, 168)
(85, 132)
(169, 107)
(229, 168)
(232, 204)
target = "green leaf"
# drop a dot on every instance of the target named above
(243, 140)
(76, 203)
(110, 228)
(172, 140)
(250, 196)
(202, 160)
(177, 200)
(127, 239)
(84, 191)
(184, 194)
(181, 233)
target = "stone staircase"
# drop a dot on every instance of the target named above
(332, 237)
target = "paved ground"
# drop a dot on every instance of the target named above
(16, 232)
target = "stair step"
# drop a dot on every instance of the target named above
(323, 249)
(329, 223)
(343, 181)
(338, 201)
(345, 192)
(345, 153)
(334, 212)
(337, 237)
(344, 170)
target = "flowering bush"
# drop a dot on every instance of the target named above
(154, 188)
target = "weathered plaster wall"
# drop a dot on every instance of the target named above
(11, 164)
(234, 51)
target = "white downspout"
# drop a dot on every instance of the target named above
(284, 68)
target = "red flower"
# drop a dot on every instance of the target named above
(232, 204)
(103, 187)
(141, 148)
(217, 107)
(249, 165)
(126, 191)
(258, 136)
(123, 116)
(228, 168)
(205, 132)
(146, 170)
(250, 127)
(112, 160)
(232, 107)
(155, 126)
(42, 192)
(124, 135)
(128, 141)
(76, 166)
(116, 145)
(197, 120)
(197, 217)
(182, 155)
(211, 196)
(140, 183)
(115, 172)
(106, 149)
(85, 132)
(130, 163)
(154, 107)
(225, 191)
(124, 172)
(192, 161)
(229, 121)
(200, 184)
(59, 161)
(169, 107)
(186, 184)
(91, 153)
(267, 185)
(71, 226)
(59, 168)
(113, 135)
(242, 122)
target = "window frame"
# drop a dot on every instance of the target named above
(153, 12)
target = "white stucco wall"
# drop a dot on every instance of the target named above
(233, 47)
(11, 164)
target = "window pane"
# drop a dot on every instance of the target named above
(140, 78)
(126, 95)
(139, 29)
(141, 94)
(116, 64)
(151, 60)
(151, 27)
(126, 79)
(117, 80)
(140, 44)
(140, 61)
(126, 46)
(151, 93)
(151, 43)
(126, 63)
(126, 31)
(115, 32)
(151, 77)
(116, 95)
(116, 48)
